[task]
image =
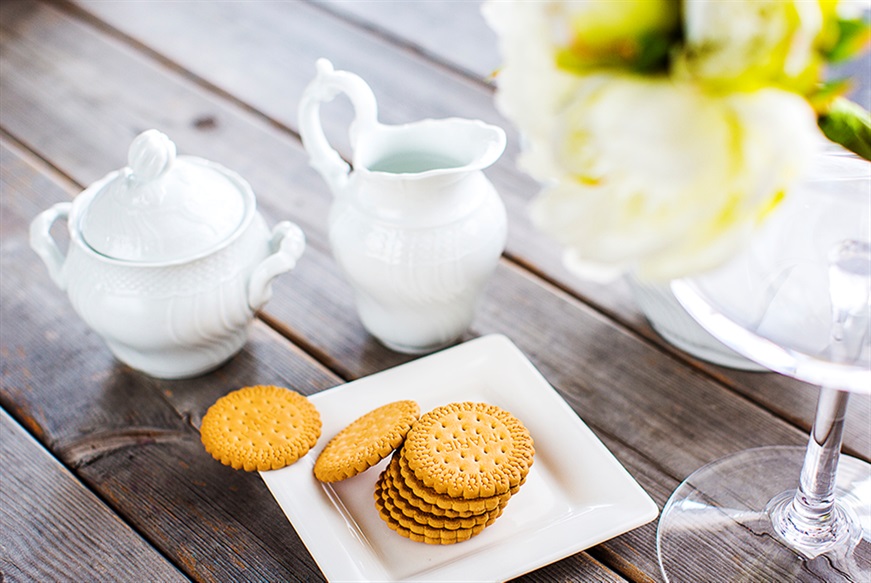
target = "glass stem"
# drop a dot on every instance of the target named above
(808, 519)
(815, 498)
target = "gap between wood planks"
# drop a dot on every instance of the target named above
(80, 507)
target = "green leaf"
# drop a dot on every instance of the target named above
(653, 53)
(853, 37)
(827, 92)
(848, 124)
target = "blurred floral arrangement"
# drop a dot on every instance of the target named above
(664, 131)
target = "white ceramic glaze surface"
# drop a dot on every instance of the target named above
(163, 207)
(674, 324)
(416, 227)
(177, 316)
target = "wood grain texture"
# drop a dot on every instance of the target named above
(51, 524)
(565, 338)
(458, 37)
(225, 87)
(291, 37)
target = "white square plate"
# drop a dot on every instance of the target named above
(577, 494)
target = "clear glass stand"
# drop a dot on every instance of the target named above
(798, 301)
(720, 524)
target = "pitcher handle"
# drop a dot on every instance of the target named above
(286, 245)
(44, 244)
(323, 88)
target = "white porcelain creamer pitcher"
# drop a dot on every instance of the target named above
(168, 259)
(416, 227)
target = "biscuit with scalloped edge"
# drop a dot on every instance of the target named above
(397, 482)
(260, 428)
(366, 441)
(415, 519)
(428, 535)
(446, 502)
(469, 450)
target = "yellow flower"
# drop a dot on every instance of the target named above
(664, 179)
(664, 130)
(747, 44)
(601, 33)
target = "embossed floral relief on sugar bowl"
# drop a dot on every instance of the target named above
(168, 259)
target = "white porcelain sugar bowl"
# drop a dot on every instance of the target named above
(168, 259)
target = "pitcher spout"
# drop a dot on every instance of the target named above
(430, 147)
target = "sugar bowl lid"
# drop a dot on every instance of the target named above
(164, 208)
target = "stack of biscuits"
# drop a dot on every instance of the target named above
(452, 471)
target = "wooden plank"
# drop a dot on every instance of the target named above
(132, 438)
(53, 526)
(457, 36)
(435, 93)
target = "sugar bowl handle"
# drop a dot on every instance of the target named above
(324, 88)
(287, 244)
(44, 244)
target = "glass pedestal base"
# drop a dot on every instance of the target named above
(716, 526)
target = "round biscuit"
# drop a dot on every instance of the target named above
(366, 441)
(445, 501)
(428, 535)
(262, 427)
(469, 450)
(397, 482)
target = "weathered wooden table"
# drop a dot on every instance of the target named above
(102, 473)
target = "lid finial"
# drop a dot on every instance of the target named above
(150, 155)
